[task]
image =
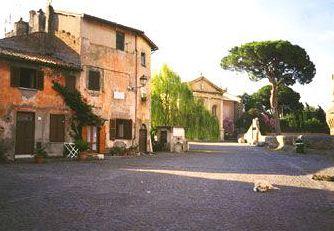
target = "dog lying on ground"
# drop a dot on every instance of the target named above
(263, 186)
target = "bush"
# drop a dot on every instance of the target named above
(158, 146)
(81, 145)
(123, 151)
(40, 151)
(313, 125)
(117, 151)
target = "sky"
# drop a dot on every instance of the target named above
(193, 36)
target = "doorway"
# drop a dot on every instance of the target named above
(93, 138)
(143, 139)
(25, 133)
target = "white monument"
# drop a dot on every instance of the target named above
(330, 112)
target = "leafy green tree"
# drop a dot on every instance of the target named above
(280, 62)
(173, 104)
(288, 100)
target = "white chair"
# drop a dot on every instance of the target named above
(73, 151)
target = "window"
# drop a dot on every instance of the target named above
(94, 77)
(70, 82)
(214, 110)
(120, 129)
(120, 38)
(143, 59)
(57, 128)
(26, 78)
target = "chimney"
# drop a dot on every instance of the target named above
(41, 19)
(21, 28)
(49, 12)
(32, 20)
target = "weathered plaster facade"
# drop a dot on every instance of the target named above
(42, 103)
(90, 43)
(216, 100)
(95, 41)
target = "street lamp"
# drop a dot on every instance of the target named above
(143, 80)
(142, 83)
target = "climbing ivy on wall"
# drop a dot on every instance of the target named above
(173, 104)
(83, 113)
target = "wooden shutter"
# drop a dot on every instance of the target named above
(102, 139)
(70, 81)
(127, 129)
(14, 76)
(112, 129)
(84, 133)
(57, 128)
(40, 80)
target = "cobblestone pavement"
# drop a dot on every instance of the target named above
(207, 189)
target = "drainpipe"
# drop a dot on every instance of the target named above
(136, 91)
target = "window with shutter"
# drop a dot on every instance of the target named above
(57, 128)
(26, 78)
(120, 129)
(94, 77)
(120, 39)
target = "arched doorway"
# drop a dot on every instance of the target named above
(143, 139)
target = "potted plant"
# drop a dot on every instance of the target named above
(82, 146)
(40, 154)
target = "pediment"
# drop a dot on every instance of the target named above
(202, 84)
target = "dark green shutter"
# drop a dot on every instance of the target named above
(127, 129)
(14, 76)
(112, 129)
(40, 80)
(120, 40)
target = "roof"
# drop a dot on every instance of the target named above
(209, 82)
(229, 97)
(40, 47)
(133, 30)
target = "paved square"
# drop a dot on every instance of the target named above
(203, 190)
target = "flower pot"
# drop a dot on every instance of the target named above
(39, 159)
(83, 156)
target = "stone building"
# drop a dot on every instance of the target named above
(219, 102)
(107, 62)
(330, 112)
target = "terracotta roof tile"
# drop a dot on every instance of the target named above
(40, 48)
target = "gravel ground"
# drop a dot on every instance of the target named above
(207, 189)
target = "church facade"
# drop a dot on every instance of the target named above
(226, 107)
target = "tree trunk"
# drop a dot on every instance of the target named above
(274, 107)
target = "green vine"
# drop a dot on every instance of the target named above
(83, 113)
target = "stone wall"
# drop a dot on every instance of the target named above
(313, 141)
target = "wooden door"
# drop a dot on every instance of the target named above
(143, 139)
(25, 133)
(93, 138)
